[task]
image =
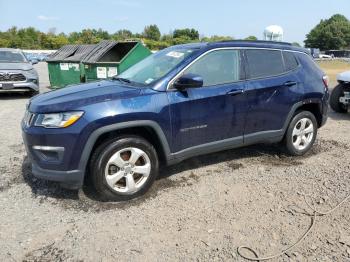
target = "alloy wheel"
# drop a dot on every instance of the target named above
(303, 133)
(128, 170)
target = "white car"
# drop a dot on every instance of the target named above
(325, 56)
(17, 73)
(340, 97)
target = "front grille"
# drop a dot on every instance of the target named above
(12, 77)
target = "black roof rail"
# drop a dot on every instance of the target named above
(255, 41)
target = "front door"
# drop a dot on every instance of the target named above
(214, 112)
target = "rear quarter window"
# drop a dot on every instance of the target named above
(309, 65)
(290, 61)
(264, 63)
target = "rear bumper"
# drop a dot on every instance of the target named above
(325, 107)
(20, 87)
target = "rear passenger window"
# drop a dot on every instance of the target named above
(264, 63)
(290, 61)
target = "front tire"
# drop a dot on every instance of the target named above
(338, 92)
(124, 168)
(301, 133)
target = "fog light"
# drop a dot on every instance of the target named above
(49, 153)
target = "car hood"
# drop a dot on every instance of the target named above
(15, 66)
(77, 96)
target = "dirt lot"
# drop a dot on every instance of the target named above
(201, 209)
(334, 67)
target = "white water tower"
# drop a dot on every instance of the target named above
(273, 33)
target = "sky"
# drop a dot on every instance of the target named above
(235, 18)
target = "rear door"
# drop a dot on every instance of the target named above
(273, 88)
(214, 112)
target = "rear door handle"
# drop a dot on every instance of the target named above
(235, 92)
(290, 83)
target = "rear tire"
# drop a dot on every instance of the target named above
(123, 168)
(338, 92)
(301, 133)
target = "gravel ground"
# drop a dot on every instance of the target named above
(201, 209)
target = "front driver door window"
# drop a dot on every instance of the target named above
(217, 68)
(215, 111)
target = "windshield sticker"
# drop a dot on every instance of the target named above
(64, 66)
(101, 72)
(112, 71)
(175, 54)
(149, 80)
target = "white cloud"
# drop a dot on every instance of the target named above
(47, 18)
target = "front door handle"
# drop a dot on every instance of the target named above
(235, 92)
(290, 83)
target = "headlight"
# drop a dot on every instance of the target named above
(58, 120)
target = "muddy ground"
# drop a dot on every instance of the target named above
(201, 209)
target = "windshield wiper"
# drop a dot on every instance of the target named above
(125, 80)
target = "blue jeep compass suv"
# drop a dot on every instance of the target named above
(181, 102)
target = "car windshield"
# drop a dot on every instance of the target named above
(12, 56)
(155, 66)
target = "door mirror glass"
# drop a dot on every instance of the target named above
(188, 81)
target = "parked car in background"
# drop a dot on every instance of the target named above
(315, 52)
(183, 101)
(43, 57)
(32, 58)
(324, 56)
(39, 57)
(17, 73)
(340, 97)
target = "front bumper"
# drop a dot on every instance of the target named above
(51, 157)
(72, 179)
(19, 87)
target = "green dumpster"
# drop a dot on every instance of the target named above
(65, 66)
(110, 58)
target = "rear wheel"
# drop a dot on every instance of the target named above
(124, 168)
(335, 104)
(301, 133)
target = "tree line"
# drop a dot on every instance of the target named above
(31, 38)
(332, 33)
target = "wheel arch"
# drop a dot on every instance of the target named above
(312, 105)
(147, 129)
(346, 84)
(315, 109)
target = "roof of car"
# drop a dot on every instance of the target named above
(9, 49)
(245, 43)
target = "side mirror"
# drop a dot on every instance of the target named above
(188, 81)
(34, 61)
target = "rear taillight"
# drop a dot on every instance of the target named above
(325, 80)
